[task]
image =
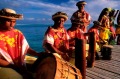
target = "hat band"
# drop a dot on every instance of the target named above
(10, 15)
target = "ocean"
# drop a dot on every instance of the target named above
(34, 33)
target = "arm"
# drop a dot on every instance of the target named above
(4, 63)
(87, 19)
(116, 13)
(50, 48)
(32, 52)
(53, 49)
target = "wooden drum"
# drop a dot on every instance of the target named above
(106, 52)
(52, 66)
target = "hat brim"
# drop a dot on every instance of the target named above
(84, 3)
(60, 16)
(8, 17)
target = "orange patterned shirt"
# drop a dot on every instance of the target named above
(13, 46)
(57, 38)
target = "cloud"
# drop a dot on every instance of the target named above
(49, 8)
(29, 19)
(38, 9)
(95, 7)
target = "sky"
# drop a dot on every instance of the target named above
(41, 11)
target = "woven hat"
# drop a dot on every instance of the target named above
(60, 14)
(97, 23)
(10, 14)
(81, 2)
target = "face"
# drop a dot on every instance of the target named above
(60, 22)
(107, 13)
(9, 24)
(81, 7)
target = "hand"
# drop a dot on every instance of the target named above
(65, 57)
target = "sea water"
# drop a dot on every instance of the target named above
(34, 33)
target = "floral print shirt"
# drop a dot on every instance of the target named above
(84, 18)
(13, 46)
(57, 38)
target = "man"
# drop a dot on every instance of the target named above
(13, 47)
(81, 14)
(95, 28)
(56, 37)
(74, 32)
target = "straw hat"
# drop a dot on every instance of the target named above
(9, 14)
(81, 2)
(60, 14)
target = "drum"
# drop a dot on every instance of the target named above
(52, 66)
(106, 52)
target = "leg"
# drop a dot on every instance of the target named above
(8, 73)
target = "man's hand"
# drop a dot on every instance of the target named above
(65, 56)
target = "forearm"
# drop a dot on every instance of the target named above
(4, 63)
(32, 52)
(116, 13)
(57, 51)
(20, 69)
(52, 49)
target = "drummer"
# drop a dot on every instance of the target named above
(56, 39)
(13, 47)
(75, 31)
(94, 29)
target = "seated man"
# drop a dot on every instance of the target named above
(74, 32)
(95, 29)
(56, 39)
(13, 47)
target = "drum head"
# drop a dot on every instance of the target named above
(107, 46)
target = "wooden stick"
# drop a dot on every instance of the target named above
(80, 56)
(92, 50)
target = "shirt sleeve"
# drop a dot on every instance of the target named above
(49, 39)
